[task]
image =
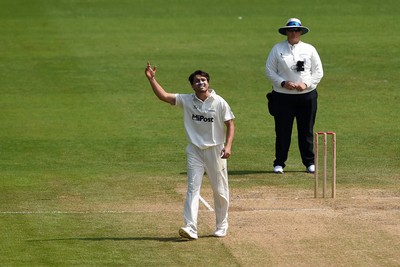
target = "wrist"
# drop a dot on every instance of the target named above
(151, 79)
(283, 84)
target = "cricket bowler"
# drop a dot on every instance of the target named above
(209, 126)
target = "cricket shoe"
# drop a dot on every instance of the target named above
(188, 232)
(220, 232)
(311, 169)
(278, 169)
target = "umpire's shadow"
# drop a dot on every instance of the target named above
(239, 172)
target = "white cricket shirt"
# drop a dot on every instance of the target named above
(204, 120)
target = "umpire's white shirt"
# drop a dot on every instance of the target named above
(281, 66)
(204, 120)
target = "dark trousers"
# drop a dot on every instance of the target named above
(303, 108)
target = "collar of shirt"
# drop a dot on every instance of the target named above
(211, 96)
(293, 46)
(203, 106)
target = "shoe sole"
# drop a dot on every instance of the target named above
(183, 234)
(219, 236)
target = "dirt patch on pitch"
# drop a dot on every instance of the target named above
(271, 226)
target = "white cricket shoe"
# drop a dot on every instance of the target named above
(311, 169)
(278, 169)
(188, 232)
(220, 232)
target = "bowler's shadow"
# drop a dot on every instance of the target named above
(99, 239)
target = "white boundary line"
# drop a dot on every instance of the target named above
(202, 200)
(206, 203)
(69, 212)
(149, 211)
(55, 212)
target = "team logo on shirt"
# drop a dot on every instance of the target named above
(201, 118)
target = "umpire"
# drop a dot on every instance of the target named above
(295, 69)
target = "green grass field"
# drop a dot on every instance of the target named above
(86, 148)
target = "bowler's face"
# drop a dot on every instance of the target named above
(200, 83)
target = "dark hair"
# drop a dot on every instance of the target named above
(199, 72)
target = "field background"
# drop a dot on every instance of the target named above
(92, 165)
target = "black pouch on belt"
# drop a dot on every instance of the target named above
(270, 99)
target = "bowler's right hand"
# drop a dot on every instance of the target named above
(150, 72)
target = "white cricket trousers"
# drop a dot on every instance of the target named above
(206, 160)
